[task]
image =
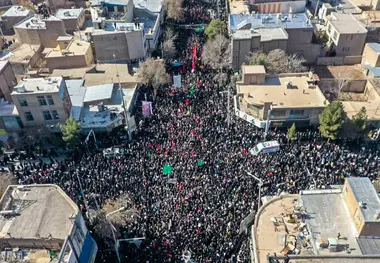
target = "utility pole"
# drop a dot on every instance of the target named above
(113, 229)
(126, 120)
(81, 189)
(260, 185)
(267, 123)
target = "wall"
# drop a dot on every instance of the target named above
(54, 29)
(355, 43)
(242, 47)
(136, 42)
(274, 44)
(108, 44)
(10, 21)
(7, 82)
(353, 207)
(280, 7)
(27, 36)
(370, 57)
(337, 61)
(352, 86)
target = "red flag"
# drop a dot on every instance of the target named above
(150, 145)
(166, 151)
(192, 154)
(192, 133)
(198, 231)
(187, 102)
(180, 186)
(173, 144)
(158, 147)
(244, 151)
(199, 83)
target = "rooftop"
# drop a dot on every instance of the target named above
(16, 10)
(100, 92)
(116, 2)
(69, 13)
(75, 48)
(238, 21)
(120, 27)
(38, 85)
(328, 217)
(154, 6)
(42, 211)
(35, 22)
(287, 21)
(364, 192)
(369, 19)
(266, 34)
(276, 90)
(7, 109)
(21, 55)
(374, 46)
(238, 7)
(354, 72)
(346, 24)
(76, 91)
(253, 69)
(3, 64)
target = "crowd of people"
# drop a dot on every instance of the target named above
(185, 172)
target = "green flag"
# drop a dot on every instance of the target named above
(200, 163)
(167, 169)
(149, 154)
(192, 91)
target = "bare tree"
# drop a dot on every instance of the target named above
(5, 181)
(115, 215)
(341, 81)
(174, 9)
(152, 72)
(216, 52)
(168, 46)
(296, 63)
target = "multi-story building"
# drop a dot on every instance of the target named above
(283, 99)
(40, 31)
(69, 53)
(346, 35)
(118, 10)
(13, 16)
(278, 6)
(124, 40)
(292, 33)
(7, 80)
(42, 223)
(42, 101)
(73, 19)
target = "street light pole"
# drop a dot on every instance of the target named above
(116, 243)
(260, 185)
(267, 123)
(126, 120)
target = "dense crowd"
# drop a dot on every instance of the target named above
(197, 206)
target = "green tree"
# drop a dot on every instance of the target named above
(70, 132)
(292, 132)
(331, 120)
(360, 119)
(216, 27)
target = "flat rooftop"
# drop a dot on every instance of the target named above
(253, 69)
(266, 34)
(369, 19)
(100, 92)
(69, 13)
(275, 90)
(38, 85)
(42, 210)
(328, 217)
(154, 6)
(347, 24)
(287, 21)
(35, 22)
(354, 72)
(15, 11)
(21, 55)
(118, 27)
(7, 109)
(238, 7)
(76, 91)
(75, 48)
(238, 21)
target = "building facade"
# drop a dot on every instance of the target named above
(276, 6)
(13, 16)
(7, 80)
(42, 101)
(38, 31)
(73, 19)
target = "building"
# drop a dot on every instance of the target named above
(238, 7)
(124, 40)
(371, 21)
(13, 16)
(40, 31)
(73, 19)
(292, 33)
(64, 236)
(326, 225)
(346, 35)
(366, 4)
(23, 59)
(278, 6)
(42, 101)
(118, 10)
(101, 107)
(371, 56)
(283, 99)
(69, 54)
(7, 80)
(9, 119)
(335, 6)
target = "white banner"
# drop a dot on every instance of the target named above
(177, 81)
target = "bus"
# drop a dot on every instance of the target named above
(265, 147)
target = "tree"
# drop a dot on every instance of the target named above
(30, 6)
(153, 73)
(277, 61)
(120, 213)
(168, 46)
(292, 132)
(70, 132)
(216, 27)
(360, 119)
(216, 52)
(331, 120)
(342, 81)
(174, 9)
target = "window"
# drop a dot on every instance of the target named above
(335, 35)
(47, 115)
(352, 37)
(120, 9)
(28, 116)
(279, 113)
(329, 28)
(297, 112)
(23, 102)
(41, 100)
(50, 100)
(55, 114)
